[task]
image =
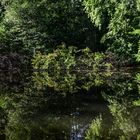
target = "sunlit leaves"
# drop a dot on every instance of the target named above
(45, 24)
(95, 129)
(117, 18)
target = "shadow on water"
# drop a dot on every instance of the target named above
(66, 105)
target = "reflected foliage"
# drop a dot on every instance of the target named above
(95, 130)
(125, 125)
(123, 97)
(103, 105)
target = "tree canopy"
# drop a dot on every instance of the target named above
(27, 26)
(118, 19)
(46, 24)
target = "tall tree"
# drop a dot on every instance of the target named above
(47, 23)
(117, 18)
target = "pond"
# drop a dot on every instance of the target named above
(69, 105)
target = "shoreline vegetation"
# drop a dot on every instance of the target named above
(69, 69)
(65, 58)
(104, 107)
(96, 35)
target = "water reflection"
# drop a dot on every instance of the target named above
(66, 105)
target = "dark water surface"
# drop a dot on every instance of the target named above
(78, 105)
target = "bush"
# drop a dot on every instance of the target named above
(71, 59)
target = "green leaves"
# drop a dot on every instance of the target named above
(117, 18)
(45, 23)
(95, 129)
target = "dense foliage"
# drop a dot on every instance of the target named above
(39, 106)
(46, 24)
(137, 32)
(73, 48)
(27, 27)
(70, 58)
(117, 19)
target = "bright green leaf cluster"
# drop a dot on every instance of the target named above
(117, 19)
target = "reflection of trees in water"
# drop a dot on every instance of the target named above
(125, 123)
(23, 107)
(37, 112)
(40, 120)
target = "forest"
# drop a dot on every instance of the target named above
(39, 32)
(69, 69)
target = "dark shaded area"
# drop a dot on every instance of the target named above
(35, 110)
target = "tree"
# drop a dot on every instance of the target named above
(46, 23)
(137, 32)
(117, 18)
